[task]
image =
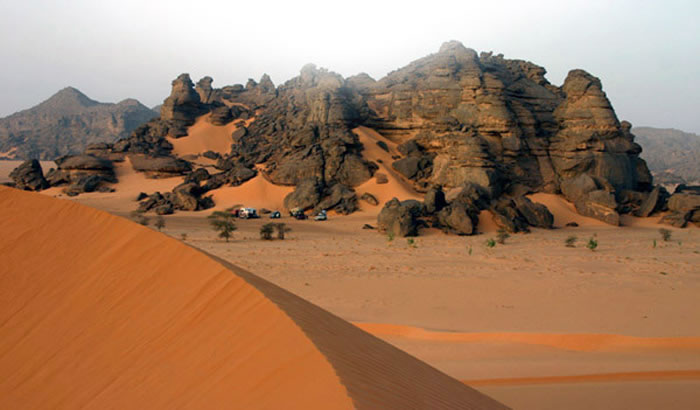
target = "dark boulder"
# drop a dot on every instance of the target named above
(339, 198)
(86, 183)
(434, 200)
(652, 202)
(537, 215)
(29, 176)
(398, 219)
(457, 219)
(198, 176)
(306, 195)
(186, 196)
(506, 216)
(370, 199)
(159, 167)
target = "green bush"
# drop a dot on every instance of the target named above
(571, 241)
(665, 234)
(160, 222)
(592, 244)
(223, 223)
(267, 230)
(490, 243)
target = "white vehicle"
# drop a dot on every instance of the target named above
(322, 216)
(248, 213)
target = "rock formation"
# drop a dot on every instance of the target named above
(490, 128)
(66, 124)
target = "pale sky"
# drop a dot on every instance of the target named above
(647, 53)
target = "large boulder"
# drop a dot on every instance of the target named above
(434, 200)
(306, 195)
(599, 204)
(159, 167)
(651, 203)
(457, 219)
(535, 214)
(339, 198)
(398, 219)
(186, 196)
(29, 176)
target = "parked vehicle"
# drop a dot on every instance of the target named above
(297, 214)
(248, 213)
(275, 215)
(321, 216)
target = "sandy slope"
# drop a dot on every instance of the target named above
(396, 187)
(256, 193)
(204, 136)
(97, 312)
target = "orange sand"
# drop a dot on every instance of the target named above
(204, 136)
(396, 187)
(97, 312)
(256, 193)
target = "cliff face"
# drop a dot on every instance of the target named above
(499, 123)
(66, 124)
(461, 120)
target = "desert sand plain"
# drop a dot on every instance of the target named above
(532, 323)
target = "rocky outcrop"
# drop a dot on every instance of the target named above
(29, 176)
(66, 124)
(182, 107)
(82, 173)
(159, 167)
(684, 207)
(459, 117)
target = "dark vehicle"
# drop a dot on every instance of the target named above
(300, 216)
(248, 213)
(275, 215)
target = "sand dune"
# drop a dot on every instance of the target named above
(97, 312)
(256, 193)
(204, 136)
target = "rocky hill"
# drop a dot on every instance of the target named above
(673, 156)
(66, 124)
(472, 131)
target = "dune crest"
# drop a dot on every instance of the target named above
(98, 312)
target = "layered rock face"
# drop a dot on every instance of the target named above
(462, 118)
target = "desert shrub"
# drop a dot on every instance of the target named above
(490, 243)
(282, 229)
(183, 236)
(592, 244)
(267, 230)
(501, 236)
(390, 236)
(411, 242)
(140, 218)
(223, 223)
(665, 234)
(469, 250)
(571, 241)
(160, 222)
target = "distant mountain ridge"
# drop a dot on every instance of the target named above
(66, 124)
(673, 156)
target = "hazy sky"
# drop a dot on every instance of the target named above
(647, 53)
